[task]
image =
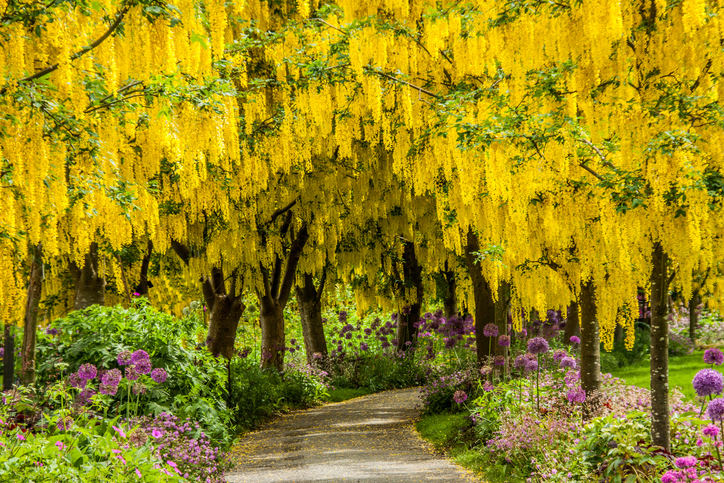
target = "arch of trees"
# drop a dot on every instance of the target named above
(507, 156)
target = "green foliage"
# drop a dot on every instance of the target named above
(621, 357)
(88, 451)
(197, 382)
(377, 372)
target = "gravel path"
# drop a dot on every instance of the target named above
(368, 439)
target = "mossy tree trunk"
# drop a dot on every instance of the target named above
(411, 284)
(590, 340)
(90, 280)
(309, 300)
(660, 424)
(30, 325)
(483, 296)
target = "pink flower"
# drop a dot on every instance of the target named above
(156, 433)
(120, 431)
(138, 473)
(20, 437)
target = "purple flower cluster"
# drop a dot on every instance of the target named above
(713, 356)
(490, 330)
(715, 410)
(708, 382)
(568, 362)
(504, 341)
(538, 345)
(187, 447)
(460, 396)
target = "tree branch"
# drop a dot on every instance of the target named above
(295, 254)
(182, 251)
(281, 211)
(417, 88)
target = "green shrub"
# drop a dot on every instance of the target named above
(197, 382)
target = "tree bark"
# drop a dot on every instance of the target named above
(90, 281)
(225, 310)
(30, 326)
(8, 358)
(412, 272)
(450, 301)
(483, 296)
(277, 288)
(693, 316)
(572, 323)
(501, 320)
(590, 341)
(143, 282)
(660, 425)
(309, 300)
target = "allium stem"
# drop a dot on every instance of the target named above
(537, 383)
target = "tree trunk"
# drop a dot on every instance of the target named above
(8, 358)
(660, 430)
(90, 281)
(143, 282)
(225, 310)
(618, 333)
(30, 326)
(450, 301)
(309, 300)
(483, 296)
(271, 319)
(412, 271)
(501, 320)
(590, 342)
(693, 316)
(572, 323)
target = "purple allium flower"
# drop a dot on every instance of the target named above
(531, 365)
(670, 476)
(363, 346)
(576, 395)
(520, 361)
(143, 367)
(490, 330)
(487, 386)
(124, 358)
(159, 375)
(708, 382)
(139, 388)
(685, 462)
(112, 377)
(504, 341)
(713, 356)
(108, 390)
(499, 361)
(140, 356)
(559, 354)
(524, 332)
(131, 373)
(87, 372)
(537, 345)
(406, 311)
(485, 370)
(460, 397)
(568, 362)
(64, 424)
(317, 355)
(711, 431)
(293, 342)
(76, 381)
(575, 340)
(51, 331)
(85, 396)
(715, 411)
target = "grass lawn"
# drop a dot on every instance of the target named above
(682, 370)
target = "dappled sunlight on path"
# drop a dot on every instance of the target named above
(368, 439)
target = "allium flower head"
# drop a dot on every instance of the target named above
(487, 386)
(708, 382)
(713, 356)
(51, 331)
(124, 358)
(576, 395)
(575, 340)
(485, 370)
(537, 345)
(568, 362)
(364, 347)
(65, 423)
(112, 377)
(559, 354)
(504, 341)
(460, 397)
(132, 373)
(531, 365)
(520, 361)
(143, 367)
(715, 411)
(159, 375)
(499, 361)
(711, 431)
(87, 372)
(76, 381)
(108, 389)
(490, 330)
(140, 356)
(685, 462)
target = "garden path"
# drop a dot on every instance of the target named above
(368, 439)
